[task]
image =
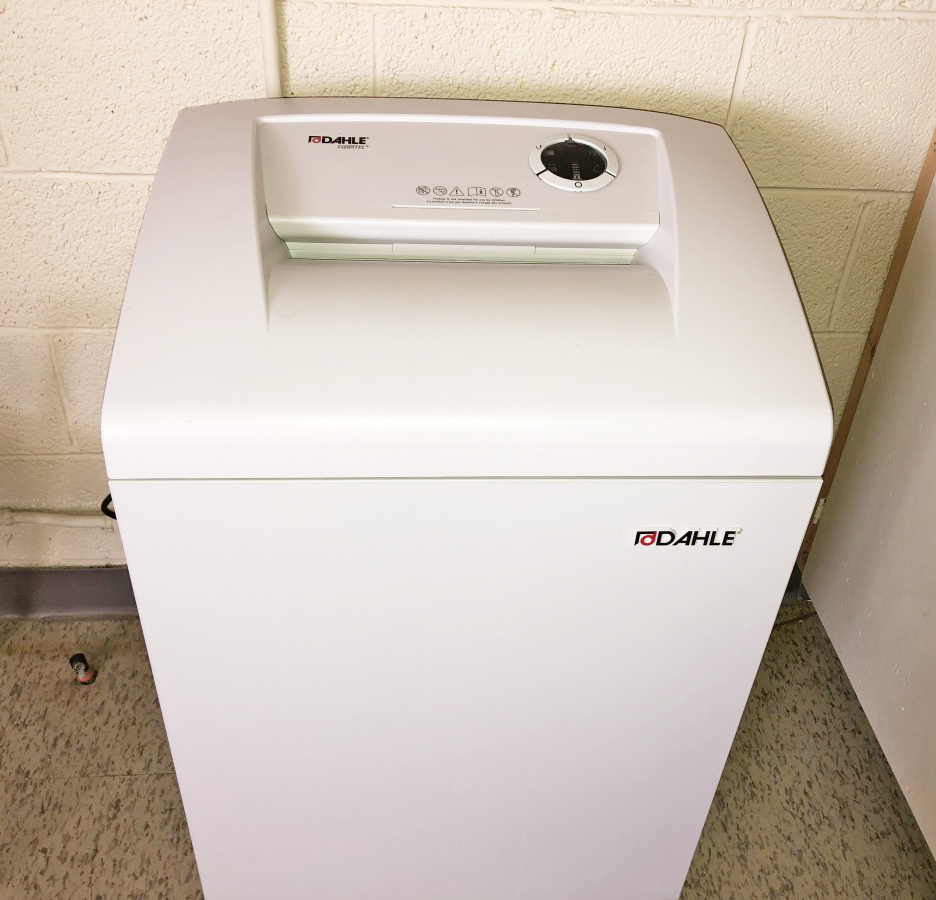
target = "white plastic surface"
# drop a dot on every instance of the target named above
(234, 361)
(402, 648)
(470, 690)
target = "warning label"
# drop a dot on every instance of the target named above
(453, 199)
(466, 195)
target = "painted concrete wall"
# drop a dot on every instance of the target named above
(831, 102)
(872, 570)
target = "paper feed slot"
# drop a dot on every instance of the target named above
(477, 239)
(503, 253)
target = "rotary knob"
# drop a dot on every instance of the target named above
(574, 162)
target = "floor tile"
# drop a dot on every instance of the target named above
(51, 727)
(807, 805)
(95, 838)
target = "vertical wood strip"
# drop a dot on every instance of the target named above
(927, 174)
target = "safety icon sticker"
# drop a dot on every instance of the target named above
(467, 195)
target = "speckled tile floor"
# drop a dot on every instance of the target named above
(89, 808)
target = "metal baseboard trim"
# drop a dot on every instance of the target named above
(67, 593)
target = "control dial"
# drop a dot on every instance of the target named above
(574, 162)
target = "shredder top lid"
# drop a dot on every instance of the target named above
(237, 358)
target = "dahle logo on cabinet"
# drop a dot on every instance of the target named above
(698, 538)
(327, 139)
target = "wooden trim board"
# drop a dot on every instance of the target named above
(927, 174)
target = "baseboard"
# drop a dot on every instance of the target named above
(77, 593)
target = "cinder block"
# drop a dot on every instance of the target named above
(31, 415)
(816, 229)
(52, 482)
(862, 288)
(838, 102)
(95, 86)
(27, 544)
(67, 247)
(326, 50)
(839, 354)
(670, 63)
(82, 361)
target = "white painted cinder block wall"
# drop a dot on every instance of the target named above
(831, 102)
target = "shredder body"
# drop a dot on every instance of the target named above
(457, 519)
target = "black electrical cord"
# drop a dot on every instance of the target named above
(107, 507)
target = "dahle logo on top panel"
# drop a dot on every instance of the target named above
(344, 141)
(697, 538)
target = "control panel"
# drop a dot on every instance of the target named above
(479, 181)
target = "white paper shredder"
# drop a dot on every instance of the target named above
(461, 452)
